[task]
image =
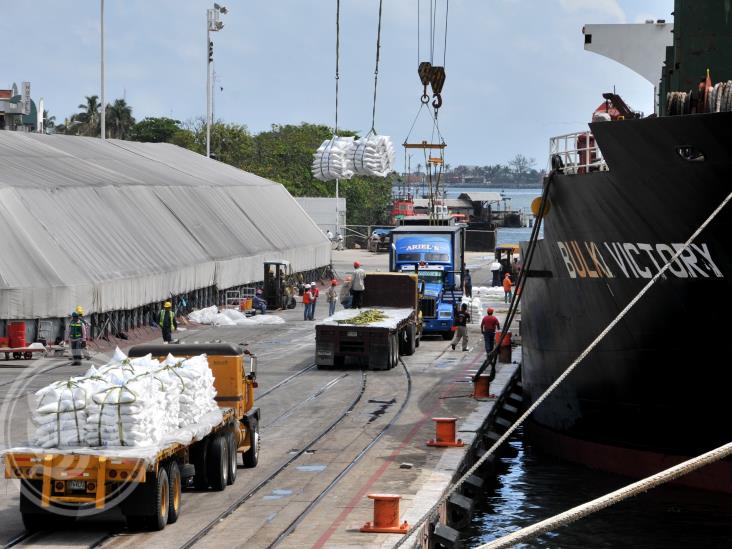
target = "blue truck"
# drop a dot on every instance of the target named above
(437, 255)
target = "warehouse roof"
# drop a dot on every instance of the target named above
(115, 225)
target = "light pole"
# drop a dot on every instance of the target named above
(104, 105)
(213, 24)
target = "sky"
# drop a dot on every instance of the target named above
(517, 72)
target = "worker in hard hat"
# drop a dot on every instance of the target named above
(167, 322)
(488, 327)
(358, 285)
(307, 300)
(75, 335)
(80, 311)
(315, 291)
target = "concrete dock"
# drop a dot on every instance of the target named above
(329, 438)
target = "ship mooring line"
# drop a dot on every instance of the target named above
(597, 504)
(564, 374)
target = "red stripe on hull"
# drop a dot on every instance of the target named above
(716, 477)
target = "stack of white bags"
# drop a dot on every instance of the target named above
(373, 155)
(342, 157)
(331, 160)
(231, 317)
(127, 402)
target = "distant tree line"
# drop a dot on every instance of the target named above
(283, 153)
(519, 171)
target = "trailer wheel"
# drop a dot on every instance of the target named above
(35, 518)
(410, 343)
(200, 462)
(394, 351)
(154, 509)
(233, 465)
(174, 491)
(218, 463)
(250, 458)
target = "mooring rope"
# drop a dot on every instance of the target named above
(564, 374)
(580, 511)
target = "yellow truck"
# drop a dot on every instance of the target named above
(146, 483)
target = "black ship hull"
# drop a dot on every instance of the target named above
(659, 383)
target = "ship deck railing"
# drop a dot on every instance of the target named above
(576, 153)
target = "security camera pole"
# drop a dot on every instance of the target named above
(214, 24)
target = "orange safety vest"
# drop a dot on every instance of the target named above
(507, 284)
(307, 297)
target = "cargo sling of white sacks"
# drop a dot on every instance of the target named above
(343, 157)
(628, 491)
(127, 402)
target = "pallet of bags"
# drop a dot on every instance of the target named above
(195, 382)
(373, 155)
(332, 159)
(61, 412)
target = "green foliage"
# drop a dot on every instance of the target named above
(283, 154)
(155, 129)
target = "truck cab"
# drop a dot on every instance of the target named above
(435, 254)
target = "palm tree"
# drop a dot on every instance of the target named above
(49, 122)
(119, 119)
(90, 114)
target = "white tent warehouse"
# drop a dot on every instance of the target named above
(118, 225)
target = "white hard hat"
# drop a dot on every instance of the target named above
(307, 285)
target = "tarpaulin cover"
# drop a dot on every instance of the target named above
(118, 224)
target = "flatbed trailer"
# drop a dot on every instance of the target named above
(377, 345)
(58, 485)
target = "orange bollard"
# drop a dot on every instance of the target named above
(386, 515)
(445, 433)
(482, 387)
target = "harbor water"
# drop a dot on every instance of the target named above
(532, 486)
(516, 200)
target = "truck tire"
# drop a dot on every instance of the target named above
(250, 458)
(35, 518)
(410, 343)
(152, 513)
(218, 463)
(199, 458)
(233, 456)
(174, 492)
(447, 336)
(394, 350)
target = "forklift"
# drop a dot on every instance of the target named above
(277, 273)
(509, 256)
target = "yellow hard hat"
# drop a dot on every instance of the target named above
(168, 305)
(79, 309)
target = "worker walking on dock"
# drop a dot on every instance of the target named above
(357, 285)
(468, 284)
(507, 285)
(314, 301)
(167, 322)
(488, 327)
(76, 335)
(461, 327)
(496, 272)
(307, 298)
(332, 297)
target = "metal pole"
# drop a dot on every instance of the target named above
(338, 217)
(208, 86)
(104, 104)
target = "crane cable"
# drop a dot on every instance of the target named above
(338, 50)
(376, 70)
